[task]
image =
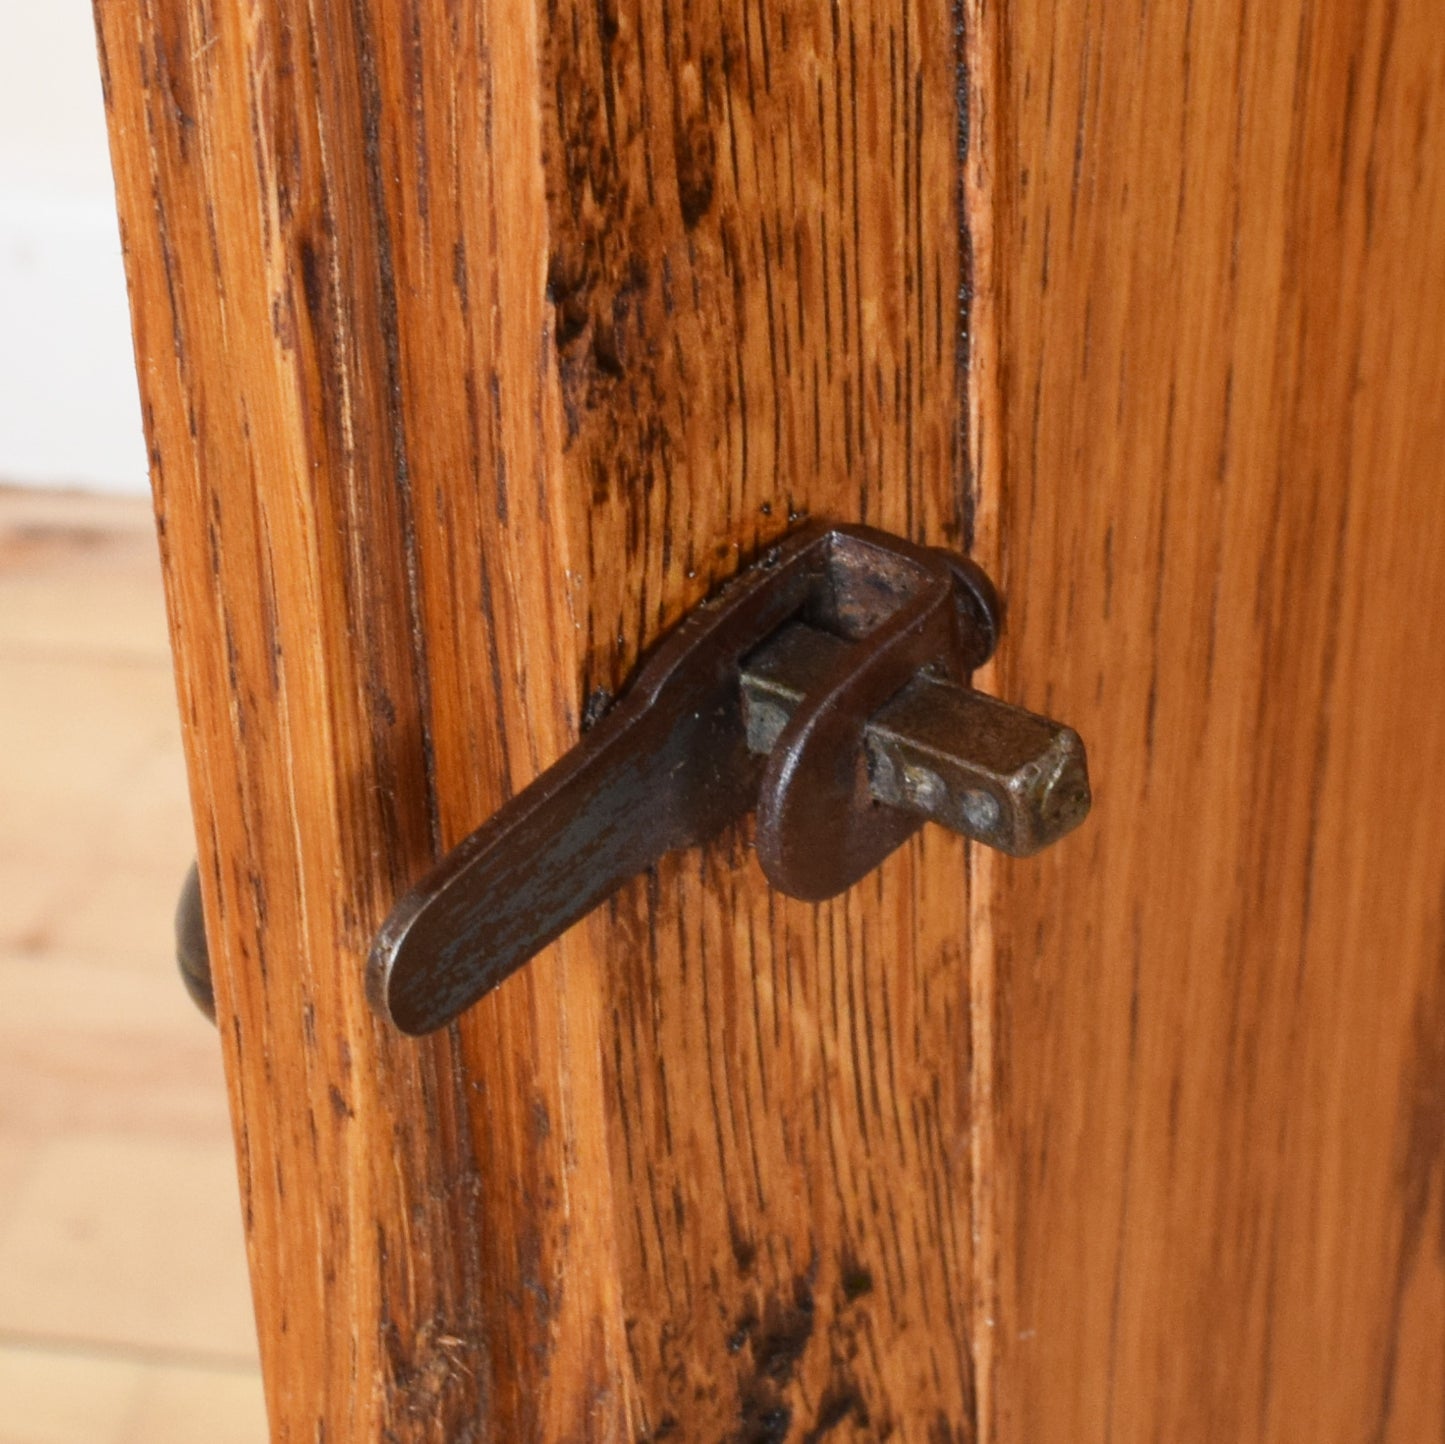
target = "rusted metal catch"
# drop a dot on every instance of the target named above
(827, 687)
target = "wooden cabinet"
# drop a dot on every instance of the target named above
(478, 342)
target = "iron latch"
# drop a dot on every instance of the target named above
(827, 688)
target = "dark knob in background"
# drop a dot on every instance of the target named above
(191, 953)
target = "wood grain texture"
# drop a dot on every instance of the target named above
(477, 343)
(1209, 423)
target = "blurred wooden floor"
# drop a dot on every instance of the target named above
(125, 1315)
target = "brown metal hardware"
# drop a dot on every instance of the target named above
(826, 687)
(823, 688)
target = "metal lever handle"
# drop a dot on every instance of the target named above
(823, 686)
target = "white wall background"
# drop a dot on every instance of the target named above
(69, 412)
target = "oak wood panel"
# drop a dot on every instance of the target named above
(477, 342)
(1210, 370)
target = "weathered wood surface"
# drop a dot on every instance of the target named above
(477, 343)
(1210, 382)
